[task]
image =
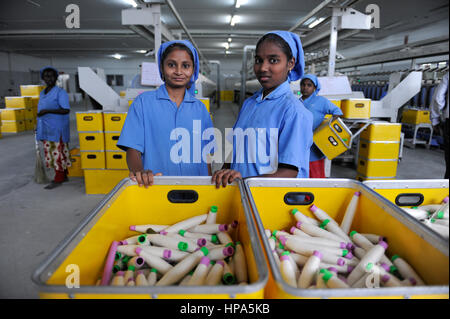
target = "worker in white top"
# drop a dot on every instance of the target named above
(439, 115)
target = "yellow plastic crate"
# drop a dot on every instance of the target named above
(31, 90)
(411, 193)
(30, 124)
(206, 101)
(355, 108)
(18, 102)
(130, 102)
(29, 114)
(91, 141)
(13, 126)
(227, 95)
(379, 149)
(382, 131)
(113, 121)
(123, 93)
(90, 121)
(93, 160)
(116, 160)
(102, 181)
(75, 170)
(13, 114)
(426, 252)
(111, 139)
(377, 167)
(416, 116)
(124, 206)
(332, 138)
(407, 193)
(336, 102)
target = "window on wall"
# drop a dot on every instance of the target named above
(114, 79)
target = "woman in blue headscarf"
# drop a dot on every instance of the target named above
(162, 123)
(319, 107)
(52, 126)
(273, 121)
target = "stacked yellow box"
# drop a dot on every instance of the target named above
(379, 148)
(75, 157)
(92, 140)
(113, 123)
(356, 108)
(102, 162)
(227, 95)
(416, 116)
(12, 120)
(31, 90)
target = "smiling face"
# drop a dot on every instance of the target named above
(271, 65)
(177, 68)
(307, 88)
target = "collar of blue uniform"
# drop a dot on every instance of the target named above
(162, 94)
(282, 89)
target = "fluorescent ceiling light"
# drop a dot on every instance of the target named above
(141, 51)
(230, 39)
(226, 45)
(227, 52)
(234, 19)
(312, 25)
(131, 3)
(238, 3)
(117, 56)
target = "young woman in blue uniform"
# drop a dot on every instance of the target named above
(159, 121)
(319, 107)
(52, 126)
(278, 61)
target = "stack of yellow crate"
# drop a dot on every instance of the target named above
(13, 116)
(100, 174)
(379, 148)
(75, 157)
(32, 91)
(113, 123)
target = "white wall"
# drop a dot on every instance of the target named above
(15, 70)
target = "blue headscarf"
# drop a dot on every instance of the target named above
(295, 44)
(314, 80)
(41, 71)
(189, 45)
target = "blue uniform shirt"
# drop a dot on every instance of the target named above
(52, 127)
(170, 138)
(319, 107)
(281, 111)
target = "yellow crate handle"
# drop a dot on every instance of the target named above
(117, 156)
(334, 131)
(90, 138)
(115, 118)
(88, 118)
(359, 104)
(115, 137)
(92, 156)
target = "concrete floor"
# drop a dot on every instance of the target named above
(35, 220)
